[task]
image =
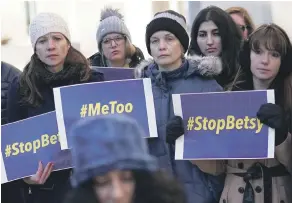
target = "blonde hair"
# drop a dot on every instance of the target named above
(243, 12)
(130, 48)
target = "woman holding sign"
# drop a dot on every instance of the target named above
(54, 63)
(267, 61)
(112, 165)
(114, 43)
(171, 73)
(214, 33)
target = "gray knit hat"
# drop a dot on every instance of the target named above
(111, 21)
(45, 23)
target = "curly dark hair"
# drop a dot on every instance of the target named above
(157, 187)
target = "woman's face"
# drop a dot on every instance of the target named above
(52, 50)
(114, 47)
(209, 39)
(239, 21)
(166, 50)
(115, 187)
(265, 64)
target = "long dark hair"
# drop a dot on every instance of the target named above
(272, 37)
(231, 40)
(155, 187)
(75, 63)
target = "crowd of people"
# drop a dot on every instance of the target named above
(225, 51)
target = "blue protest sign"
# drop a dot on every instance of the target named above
(111, 73)
(223, 125)
(132, 97)
(24, 143)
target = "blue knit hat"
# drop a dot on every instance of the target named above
(105, 143)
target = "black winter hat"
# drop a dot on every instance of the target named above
(170, 21)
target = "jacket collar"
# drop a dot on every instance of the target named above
(207, 66)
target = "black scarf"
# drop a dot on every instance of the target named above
(67, 76)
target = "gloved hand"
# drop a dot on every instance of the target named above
(274, 116)
(174, 129)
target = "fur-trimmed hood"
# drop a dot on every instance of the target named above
(207, 66)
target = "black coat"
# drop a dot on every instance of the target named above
(58, 184)
(8, 73)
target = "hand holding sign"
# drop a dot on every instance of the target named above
(41, 175)
(222, 126)
(174, 129)
(27, 146)
(274, 116)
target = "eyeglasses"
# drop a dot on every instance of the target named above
(243, 27)
(118, 40)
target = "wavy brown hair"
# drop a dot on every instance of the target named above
(75, 62)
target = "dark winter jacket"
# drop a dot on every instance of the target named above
(8, 73)
(194, 76)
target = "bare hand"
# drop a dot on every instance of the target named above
(41, 175)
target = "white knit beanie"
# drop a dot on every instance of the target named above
(45, 23)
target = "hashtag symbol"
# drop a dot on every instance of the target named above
(191, 123)
(83, 110)
(8, 150)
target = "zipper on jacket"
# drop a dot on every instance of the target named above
(29, 191)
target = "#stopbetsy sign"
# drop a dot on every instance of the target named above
(24, 143)
(132, 97)
(223, 125)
